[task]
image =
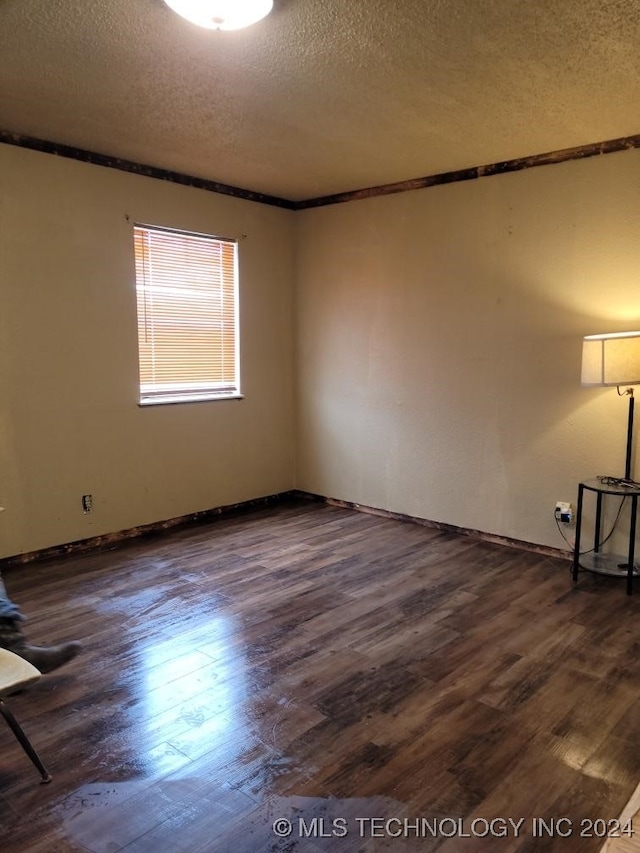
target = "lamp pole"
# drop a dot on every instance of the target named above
(627, 467)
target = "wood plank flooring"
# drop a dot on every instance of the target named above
(379, 685)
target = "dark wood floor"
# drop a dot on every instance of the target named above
(329, 668)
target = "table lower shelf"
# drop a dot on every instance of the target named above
(613, 565)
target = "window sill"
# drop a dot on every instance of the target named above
(173, 401)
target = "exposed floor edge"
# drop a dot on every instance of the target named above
(545, 550)
(630, 815)
(109, 541)
(113, 540)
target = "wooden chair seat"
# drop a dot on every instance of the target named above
(15, 674)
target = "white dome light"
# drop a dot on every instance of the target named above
(221, 14)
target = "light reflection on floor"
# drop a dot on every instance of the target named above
(195, 703)
(102, 817)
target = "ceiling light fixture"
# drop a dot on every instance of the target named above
(221, 14)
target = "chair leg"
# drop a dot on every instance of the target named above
(24, 742)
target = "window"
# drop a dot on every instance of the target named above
(187, 294)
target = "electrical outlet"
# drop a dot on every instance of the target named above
(87, 503)
(564, 512)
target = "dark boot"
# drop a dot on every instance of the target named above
(44, 658)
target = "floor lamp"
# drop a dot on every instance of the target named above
(614, 359)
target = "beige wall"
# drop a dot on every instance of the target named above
(439, 344)
(438, 350)
(69, 419)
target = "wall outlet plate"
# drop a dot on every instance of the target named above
(564, 512)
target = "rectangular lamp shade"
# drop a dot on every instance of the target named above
(611, 359)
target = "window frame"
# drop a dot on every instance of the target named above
(226, 386)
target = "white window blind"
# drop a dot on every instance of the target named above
(187, 298)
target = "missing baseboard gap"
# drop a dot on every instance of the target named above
(521, 545)
(110, 541)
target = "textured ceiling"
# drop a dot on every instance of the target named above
(322, 96)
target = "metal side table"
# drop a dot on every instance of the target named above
(613, 565)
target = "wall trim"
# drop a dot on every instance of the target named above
(57, 148)
(520, 544)
(579, 152)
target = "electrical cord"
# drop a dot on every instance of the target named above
(618, 481)
(561, 532)
(606, 538)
